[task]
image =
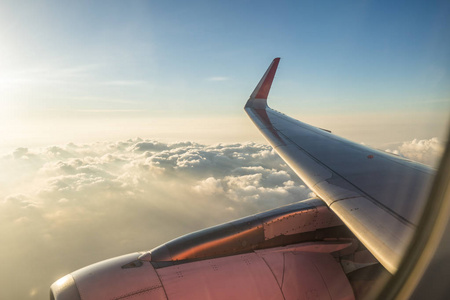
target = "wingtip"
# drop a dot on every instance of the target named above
(262, 90)
(258, 99)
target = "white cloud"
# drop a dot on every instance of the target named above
(64, 207)
(425, 151)
(218, 78)
(209, 186)
(125, 82)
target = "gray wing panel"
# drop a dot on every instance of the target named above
(379, 196)
(397, 184)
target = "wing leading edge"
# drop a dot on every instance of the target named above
(378, 196)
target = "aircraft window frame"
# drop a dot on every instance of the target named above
(427, 250)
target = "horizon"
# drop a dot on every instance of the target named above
(143, 62)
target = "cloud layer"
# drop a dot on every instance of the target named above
(63, 207)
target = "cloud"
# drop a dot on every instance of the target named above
(427, 151)
(47, 75)
(108, 110)
(218, 78)
(126, 82)
(64, 207)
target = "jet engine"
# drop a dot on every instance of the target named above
(298, 251)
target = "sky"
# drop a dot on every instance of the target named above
(137, 68)
(119, 117)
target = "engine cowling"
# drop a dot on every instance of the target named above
(304, 271)
(286, 253)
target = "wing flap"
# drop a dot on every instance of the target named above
(385, 236)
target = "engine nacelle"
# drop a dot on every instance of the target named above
(304, 271)
(285, 253)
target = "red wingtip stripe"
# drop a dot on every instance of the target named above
(265, 87)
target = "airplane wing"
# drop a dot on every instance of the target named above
(303, 250)
(379, 196)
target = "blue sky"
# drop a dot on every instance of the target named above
(144, 60)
